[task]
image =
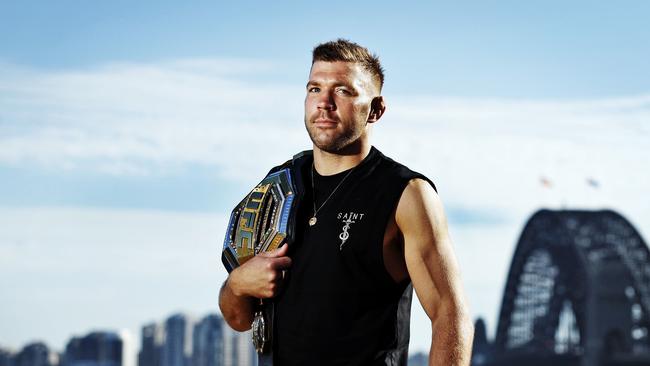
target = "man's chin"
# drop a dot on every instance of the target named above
(327, 147)
(337, 147)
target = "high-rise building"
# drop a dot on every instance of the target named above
(247, 354)
(153, 338)
(418, 359)
(177, 346)
(95, 349)
(208, 341)
(238, 348)
(36, 354)
(6, 357)
(179, 341)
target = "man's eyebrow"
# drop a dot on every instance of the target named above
(337, 83)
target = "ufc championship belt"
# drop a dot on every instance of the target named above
(261, 222)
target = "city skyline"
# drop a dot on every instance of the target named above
(119, 167)
(180, 339)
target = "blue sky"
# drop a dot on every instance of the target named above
(506, 48)
(118, 126)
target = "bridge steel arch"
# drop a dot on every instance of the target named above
(577, 293)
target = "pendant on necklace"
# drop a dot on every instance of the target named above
(312, 221)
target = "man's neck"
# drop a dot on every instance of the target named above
(327, 163)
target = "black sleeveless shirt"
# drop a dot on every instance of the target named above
(339, 305)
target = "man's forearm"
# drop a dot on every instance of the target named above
(237, 310)
(258, 278)
(451, 341)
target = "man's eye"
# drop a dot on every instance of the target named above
(343, 91)
(313, 90)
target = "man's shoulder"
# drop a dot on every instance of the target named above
(296, 161)
(403, 172)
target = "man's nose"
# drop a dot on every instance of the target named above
(326, 101)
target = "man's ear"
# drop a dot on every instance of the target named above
(377, 109)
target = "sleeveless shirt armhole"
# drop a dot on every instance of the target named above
(424, 177)
(406, 175)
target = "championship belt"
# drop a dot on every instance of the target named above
(261, 222)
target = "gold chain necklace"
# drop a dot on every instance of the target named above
(313, 219)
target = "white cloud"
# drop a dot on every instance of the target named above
(68, 271)
(493, 153)
(146, 117)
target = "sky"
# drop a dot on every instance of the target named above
(129, 131)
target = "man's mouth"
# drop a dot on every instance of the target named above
(324, 122)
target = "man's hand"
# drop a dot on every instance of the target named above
(261, 276)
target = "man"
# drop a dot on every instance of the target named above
(369, 229)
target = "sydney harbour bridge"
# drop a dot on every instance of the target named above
(577, 293)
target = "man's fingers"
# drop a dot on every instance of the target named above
(279, 252)
(281, 263)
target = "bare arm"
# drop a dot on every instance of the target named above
(259, 278)
(434, 273)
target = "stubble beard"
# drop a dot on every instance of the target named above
(331, 140)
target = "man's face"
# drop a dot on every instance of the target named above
(337, 105)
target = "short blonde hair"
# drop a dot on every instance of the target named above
(344, 50)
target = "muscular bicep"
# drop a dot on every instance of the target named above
(428, 252)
